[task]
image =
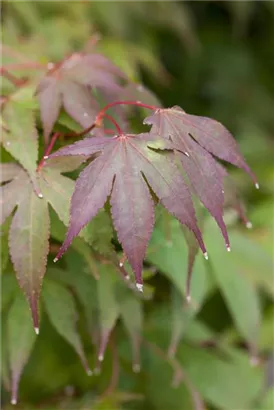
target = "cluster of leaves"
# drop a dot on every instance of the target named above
(127, 175)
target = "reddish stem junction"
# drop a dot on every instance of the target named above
(97, 123)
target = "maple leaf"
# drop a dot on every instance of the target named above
(19, 137)
(69, 84)
(197, 141)
(125, 170)
(28, 236)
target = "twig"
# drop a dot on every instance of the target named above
(48, 151)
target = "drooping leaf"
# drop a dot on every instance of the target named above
(68, 84)
(132, 316)
(28, 236)
(249, 257)
(58, 189)
(29, 229)
(62, 312)
(20, 138)
(170, 257)
(239, 292)
(196, 138)
(208, 133)
(28, 242)
(123, 171)
(109, 309)
(21, 338)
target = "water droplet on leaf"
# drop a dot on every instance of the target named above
(140, 287)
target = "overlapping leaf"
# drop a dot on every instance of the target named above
(238, 291)
(197, 140)
(62, 312)
(29, 230)
(69, 84)
(109, 309)
(19, 137)
(125, 170)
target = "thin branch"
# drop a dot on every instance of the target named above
(25, 66)
(82, 133)
(48, 151)
(113, 104)
(17, 82)
(111, 119)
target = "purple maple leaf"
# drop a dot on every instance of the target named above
(126, 170)
(69, 85)
(197, 140)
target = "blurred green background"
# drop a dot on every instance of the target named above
(213, 59)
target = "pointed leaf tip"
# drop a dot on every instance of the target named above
(205, 255)
(188, 298)
(257, 186)
(100, 357)
(36, 329)
(140, 287)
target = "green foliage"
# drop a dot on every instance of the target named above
(160, 351)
